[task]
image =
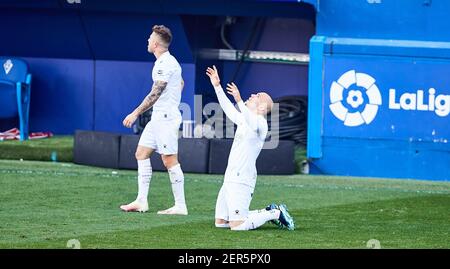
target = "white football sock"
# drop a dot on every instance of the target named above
(256, 211)
(144, 177)
(256, 220)
(177, 180)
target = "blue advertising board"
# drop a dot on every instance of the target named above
(387, 98)
(379, 110)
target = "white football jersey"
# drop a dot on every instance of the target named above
(168, 69)
(248, 141)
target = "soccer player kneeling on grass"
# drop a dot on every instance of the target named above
(233, 202)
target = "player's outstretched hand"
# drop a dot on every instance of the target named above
(129, 120)
(233, 90)
(213, 75)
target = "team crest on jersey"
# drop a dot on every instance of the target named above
(236, 212)
(160, 72)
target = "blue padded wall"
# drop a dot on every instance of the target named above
(62, 95)
(120, 87)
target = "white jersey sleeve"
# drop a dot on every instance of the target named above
(254, 122)
(163, 72)
(229, 109)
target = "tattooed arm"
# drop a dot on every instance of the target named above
(150, 100)
(147, 103)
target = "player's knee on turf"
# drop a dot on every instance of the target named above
(221, 223)
(237, 225)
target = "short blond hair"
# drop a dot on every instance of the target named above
(164, 34)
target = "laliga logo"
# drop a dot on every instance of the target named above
(365, 88)
(352, 90)
(440, 104)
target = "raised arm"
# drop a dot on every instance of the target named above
(157, 89)
(224, 102)
(250, 117)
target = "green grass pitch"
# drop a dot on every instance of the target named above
(44, 204)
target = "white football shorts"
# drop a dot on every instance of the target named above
(161, 135)
(233, 201)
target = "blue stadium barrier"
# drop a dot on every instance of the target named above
(379, 101)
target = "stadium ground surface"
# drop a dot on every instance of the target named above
(45, 204)
(57, 147)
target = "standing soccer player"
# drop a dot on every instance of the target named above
(161, 133)
(233, 202)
